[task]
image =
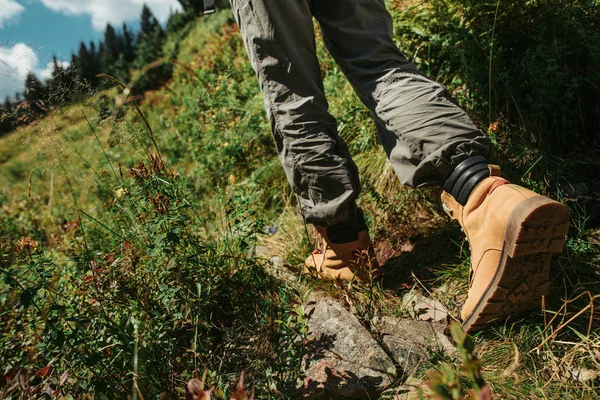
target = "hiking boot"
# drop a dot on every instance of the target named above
(512, 233)
(353, 260)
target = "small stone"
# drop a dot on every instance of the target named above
(576, 189)
(345, 361)
(583, 375)
(280, 268)
(412, 341)
(424, 308)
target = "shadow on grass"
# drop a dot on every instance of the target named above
(423, 257)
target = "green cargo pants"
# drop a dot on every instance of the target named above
(424, 133)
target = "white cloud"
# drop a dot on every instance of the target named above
(46, 73)
(113, 11)
(15, 63)
(9, 11)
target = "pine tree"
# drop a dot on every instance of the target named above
(150, 39)
(54, 83)
(86, 63)
(128, 45)
(148, 23)
(6, 117)
(112, 49)
(81, 60)
(61, 84)
(36, 95)
(150, 49)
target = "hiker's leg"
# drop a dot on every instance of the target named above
(512, 231)
(425, 134)
(280, 41)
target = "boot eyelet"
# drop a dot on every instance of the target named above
(447, 209)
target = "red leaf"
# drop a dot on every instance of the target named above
(43, 371)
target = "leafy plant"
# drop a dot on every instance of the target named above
(448, 382)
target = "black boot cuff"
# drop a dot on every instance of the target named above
(347, 231)
(465, 177)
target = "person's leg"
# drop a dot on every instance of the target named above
(280, 40)
(423, 131)
(430, 140)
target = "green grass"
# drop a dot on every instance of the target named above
(158, 229)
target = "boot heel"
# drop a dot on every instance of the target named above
(536, 225)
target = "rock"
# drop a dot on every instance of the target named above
(276, 266)
(576, 189)
(411, 341)
(424, 308)
(583, 375)
(280, 268)
(345, 361)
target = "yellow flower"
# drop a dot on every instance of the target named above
(120, 192)
(232, 179)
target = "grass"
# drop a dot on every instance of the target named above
(106, 225)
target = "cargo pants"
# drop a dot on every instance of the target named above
(424, 133)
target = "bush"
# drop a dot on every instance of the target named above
(532, 62)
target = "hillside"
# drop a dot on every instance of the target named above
(134, 240)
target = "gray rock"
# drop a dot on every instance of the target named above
(280, 268)
(345, 361)
(583, 375)
(577, 189)
(411, 341)
(424, 308)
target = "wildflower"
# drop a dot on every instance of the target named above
(160, 203)
(232, 179)
(140, 173)
(120, 192)
(156, 163)
(271, 230)
(26, 243)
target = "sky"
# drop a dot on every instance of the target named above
(32, 31)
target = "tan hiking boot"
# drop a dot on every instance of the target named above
(343, 261)
(512, 232)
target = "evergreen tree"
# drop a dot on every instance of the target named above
(81, 61)
(112, 49)
(7, 117)
(148, 24)
(150, 49)
(178, 20)
(86, 63)
(128, 45)
(54, 83)
(61, 84)
(36, 95)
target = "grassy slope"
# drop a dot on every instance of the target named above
(210, 127)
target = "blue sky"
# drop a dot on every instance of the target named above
(56, 33)
(32, 31)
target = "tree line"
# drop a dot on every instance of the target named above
(117, 55)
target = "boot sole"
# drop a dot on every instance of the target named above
(536, 228)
